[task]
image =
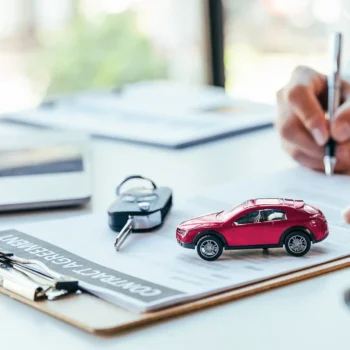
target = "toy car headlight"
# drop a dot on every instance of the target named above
(181, 232)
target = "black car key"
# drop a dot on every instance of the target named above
(138, 209)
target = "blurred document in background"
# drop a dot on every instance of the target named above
(158, 113)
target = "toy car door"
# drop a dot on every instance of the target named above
(246, 230)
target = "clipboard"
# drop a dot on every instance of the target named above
(101, 318)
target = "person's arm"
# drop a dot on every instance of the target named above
(302, 125)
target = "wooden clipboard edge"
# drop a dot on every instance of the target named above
(194, 306)
(233, 294)
(39, 306)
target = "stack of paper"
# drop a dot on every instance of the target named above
(158, 113)
(151, 271)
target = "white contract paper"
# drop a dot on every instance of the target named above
(151, 270)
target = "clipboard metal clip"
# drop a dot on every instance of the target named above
(33, 280)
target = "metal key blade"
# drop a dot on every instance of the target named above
(124, 233)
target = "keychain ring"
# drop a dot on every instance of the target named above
(118, 190)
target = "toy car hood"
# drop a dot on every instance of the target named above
(211, 218)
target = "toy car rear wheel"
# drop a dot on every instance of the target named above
(210, 247)
(297, 243)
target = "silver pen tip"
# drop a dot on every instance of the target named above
(329, 165)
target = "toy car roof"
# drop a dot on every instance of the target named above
(275, 202)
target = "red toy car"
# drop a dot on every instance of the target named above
(257, 223)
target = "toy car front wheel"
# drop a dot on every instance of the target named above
(209, 248)
(297, 243)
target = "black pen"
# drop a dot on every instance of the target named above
(334, 90)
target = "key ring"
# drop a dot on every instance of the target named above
(118, 192)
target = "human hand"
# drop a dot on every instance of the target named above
(301, 120)
(346, 215)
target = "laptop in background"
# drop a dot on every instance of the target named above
(43, 169)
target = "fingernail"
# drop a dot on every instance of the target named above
(346, 215)
(320, 135)
(342, 132)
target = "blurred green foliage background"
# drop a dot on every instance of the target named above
(106, 52)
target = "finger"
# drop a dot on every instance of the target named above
(316, 163)
(340, 125)
(343, 157)
(306, 106)
(346, 215)
(301, 92)
(292, 130)
(301, 157)
(307, 76)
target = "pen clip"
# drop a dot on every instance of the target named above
(334, 78)
(33, 280)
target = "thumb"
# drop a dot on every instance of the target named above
(340, 125)
(346, 215)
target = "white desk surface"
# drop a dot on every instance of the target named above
(306, 315)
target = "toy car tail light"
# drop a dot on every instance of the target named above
(181, 232)
(311, 210)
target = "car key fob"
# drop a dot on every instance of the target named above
(149, 206)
